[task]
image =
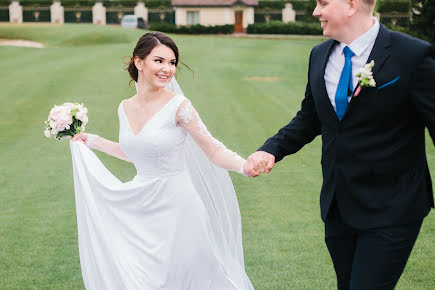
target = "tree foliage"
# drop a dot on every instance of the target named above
(423, 19)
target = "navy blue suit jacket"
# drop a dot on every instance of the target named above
(374, 160)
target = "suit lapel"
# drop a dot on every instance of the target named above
(324, 62)
(380, 53)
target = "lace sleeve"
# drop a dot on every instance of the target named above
(106, 146)
(188, 118)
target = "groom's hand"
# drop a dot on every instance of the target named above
(259, 162)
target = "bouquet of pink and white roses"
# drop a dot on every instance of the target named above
(66, 120)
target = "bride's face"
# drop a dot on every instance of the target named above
(158, 67)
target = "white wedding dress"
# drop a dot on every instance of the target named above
(176, 225)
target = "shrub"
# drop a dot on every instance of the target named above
(280, 4)
(88, 3)
(274, 4)
(157, 3)
(78, 3)
(307, 5)
(193, 29)
(278, 27)
(36, 2)
(386, 6)
(423, 17)
(123, 3)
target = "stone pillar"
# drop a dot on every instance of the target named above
(249, 14)
(15, 12)
(288, 14)
(56, 12)
(141, 11)
(99, 14)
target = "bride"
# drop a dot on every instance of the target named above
(176, 225)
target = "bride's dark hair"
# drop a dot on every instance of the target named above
(144, 46)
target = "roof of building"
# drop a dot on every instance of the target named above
(214, 2)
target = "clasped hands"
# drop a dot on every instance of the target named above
(259, 162)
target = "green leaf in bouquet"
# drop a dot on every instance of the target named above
(74, 111)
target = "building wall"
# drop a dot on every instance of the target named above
(215, 16)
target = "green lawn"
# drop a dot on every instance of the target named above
(244, 89)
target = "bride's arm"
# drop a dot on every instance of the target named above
(187, 117)
(101, 144)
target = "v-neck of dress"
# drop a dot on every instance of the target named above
(149, 120)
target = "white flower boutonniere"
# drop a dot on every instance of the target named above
(365, 78)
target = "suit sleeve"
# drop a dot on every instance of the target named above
(422, 90)
(302, 129)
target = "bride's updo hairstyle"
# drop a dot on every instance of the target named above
(144, 46)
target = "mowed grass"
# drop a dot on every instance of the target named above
(244, 90)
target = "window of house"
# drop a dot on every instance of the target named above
(192, 17)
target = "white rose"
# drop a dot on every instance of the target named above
(372, 82)
(47, 133)
(366, 72)
(52, 123)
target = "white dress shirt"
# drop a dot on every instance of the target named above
(362, 48)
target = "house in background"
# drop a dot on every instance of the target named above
(240, 13)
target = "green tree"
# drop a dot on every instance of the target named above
(423, 19)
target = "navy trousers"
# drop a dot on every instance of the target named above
(368, 259)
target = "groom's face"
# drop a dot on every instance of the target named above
(333, 15)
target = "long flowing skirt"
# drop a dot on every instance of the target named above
(149, 233)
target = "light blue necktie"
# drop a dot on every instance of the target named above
(344, 84)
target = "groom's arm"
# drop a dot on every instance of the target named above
(422, 90)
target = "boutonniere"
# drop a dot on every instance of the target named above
(365, 78)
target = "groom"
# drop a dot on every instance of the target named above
(376, 183)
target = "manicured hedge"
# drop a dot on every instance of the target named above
(78, 3)
(36, 2)
(193, 29)
(386, 6)
(278, 27)
(118, 3)
(274, 4)
(157, 3)
(307, 5)
(65, 3)
(280, 4)
(90, 3)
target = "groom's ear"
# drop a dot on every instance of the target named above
(354, 6)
